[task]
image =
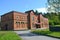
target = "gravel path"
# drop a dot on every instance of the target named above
(26, 35)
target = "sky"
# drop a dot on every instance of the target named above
(21, 5)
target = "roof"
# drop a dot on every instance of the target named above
(13, 12)
(29, 11)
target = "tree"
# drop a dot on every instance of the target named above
(36, 12)
(54, 6)
(54, 19)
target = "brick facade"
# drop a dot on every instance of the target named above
(20, 21)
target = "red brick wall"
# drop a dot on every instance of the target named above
(20, 17)
(21, 21)
(44, 22)
(32, 20)
(7, 19)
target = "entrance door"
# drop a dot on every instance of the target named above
(29, 27)
(37, 26)
(6, 27)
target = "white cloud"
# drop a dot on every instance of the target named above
(43, 10)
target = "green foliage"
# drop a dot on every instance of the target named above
(9, 35)
(51, 22)
(36, 12)
(54, 18)
(47, 32)
(44, 31)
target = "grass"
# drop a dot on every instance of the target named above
(56, 26)
(47, 32)
(9, 35)
(55, 34)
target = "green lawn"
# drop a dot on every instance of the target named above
(47, 32)
(9, 35)
(55, 34)
(56, 26)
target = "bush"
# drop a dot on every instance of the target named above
(47, 33)
(44, 31)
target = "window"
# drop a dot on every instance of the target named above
(36, 20)
(16, 16)
(22, 22)
(17, 22)
(22, 17)
(33, 24)
(33, 18)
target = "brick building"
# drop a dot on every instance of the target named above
(21, 21)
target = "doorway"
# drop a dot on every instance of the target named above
(6, 27)
(29, 27)
(37, 26)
